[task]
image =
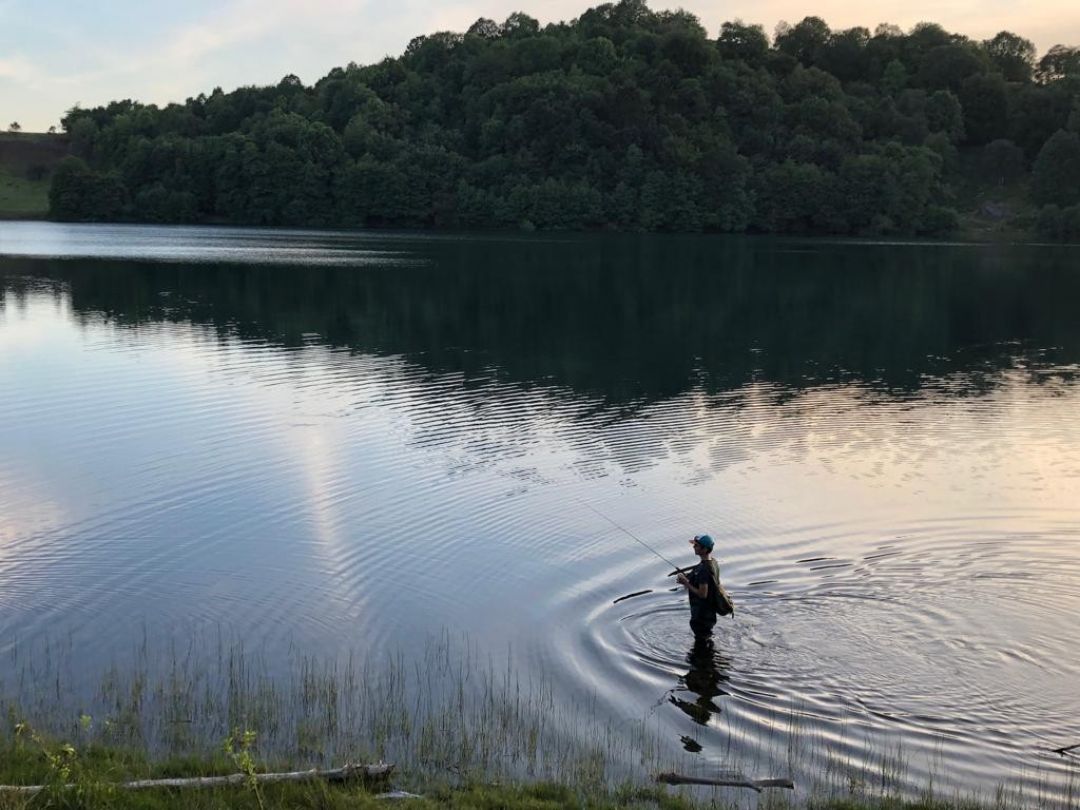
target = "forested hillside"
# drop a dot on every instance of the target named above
(623, 118)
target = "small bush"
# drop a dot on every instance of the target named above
(939, 220)
(1049, 222)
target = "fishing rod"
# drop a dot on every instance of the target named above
(627, 531)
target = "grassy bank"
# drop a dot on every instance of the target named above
(89, 778)
(27, 161)
(22, 198)
(460, 729)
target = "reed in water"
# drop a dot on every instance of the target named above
(452, 721)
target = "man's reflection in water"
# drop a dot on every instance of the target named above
(708, 669)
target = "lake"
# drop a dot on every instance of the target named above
(323, 441)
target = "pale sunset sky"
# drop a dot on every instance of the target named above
(56, 53)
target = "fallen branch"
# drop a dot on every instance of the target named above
(734, 780)
(1067, 749)
(378, 770)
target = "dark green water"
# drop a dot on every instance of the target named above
(288, 433)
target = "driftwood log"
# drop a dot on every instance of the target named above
(1066, 749)
(378, 770)
(731, 780)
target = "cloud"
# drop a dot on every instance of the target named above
(233, 25)
(18, 69)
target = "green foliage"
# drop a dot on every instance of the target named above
(790, 196)
(1059, 62)
(894, 79)
(944, 114)
(1050, 223)
(239, 748)
(985, 101)
(625, 117)
(806, 41)
(950, 66)
(745, 43)
(70, 778)
(1036, 113)
(938, 220)
(1056, 173)
(1003, 161)
(1012, 55)
(80, 193)
(1062, 224)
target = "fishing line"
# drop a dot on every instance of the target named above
(623, 529)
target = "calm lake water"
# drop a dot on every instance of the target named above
(326, 440)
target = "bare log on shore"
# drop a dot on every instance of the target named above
(733, 780)
(347, 772)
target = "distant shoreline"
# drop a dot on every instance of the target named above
(965, 235)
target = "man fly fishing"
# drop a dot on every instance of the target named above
(708, 599)
(702, 582)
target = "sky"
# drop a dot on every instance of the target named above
(58, 53)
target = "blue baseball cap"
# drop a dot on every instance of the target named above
(704, 541)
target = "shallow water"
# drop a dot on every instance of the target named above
(320, 440)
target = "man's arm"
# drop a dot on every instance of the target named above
(700, 591)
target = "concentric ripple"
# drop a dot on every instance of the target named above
(947, 638)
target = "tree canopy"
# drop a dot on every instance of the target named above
(623, 118)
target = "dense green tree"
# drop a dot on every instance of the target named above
(1035, 113)
(944, 114)
(950, 66)
(885, 46)
(1059, 62)
(938, 220)
(1050, 223)
(806, 41)
(1003, 161)
(985, 101)
(791, 197)
(78, 192)
(157, 204)
(894, 79)
(845, 56)
(922, 39)
(745, 43)
(1070, 223)
(1056, 173)
(82, 131)
(1072, 123)
(940, 145)
(1012, 55)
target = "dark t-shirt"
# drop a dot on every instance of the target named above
(702, 608)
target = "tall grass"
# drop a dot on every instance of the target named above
(22, 197)
(446, 715)
(447, 711)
